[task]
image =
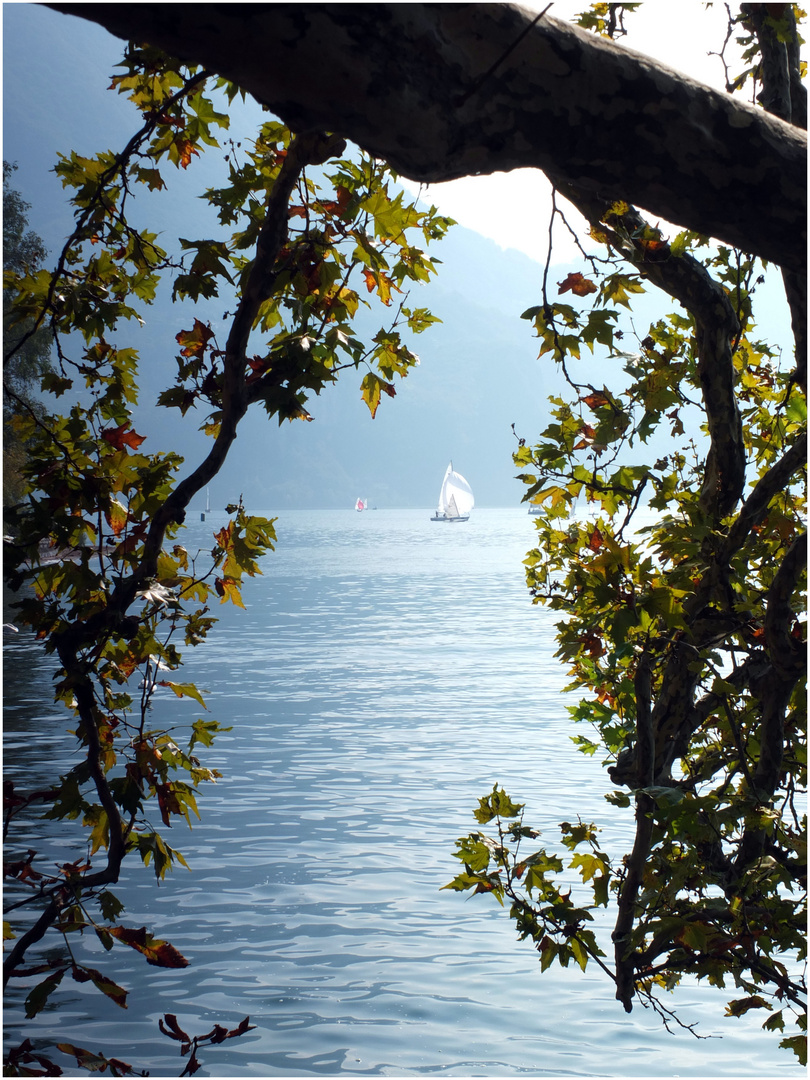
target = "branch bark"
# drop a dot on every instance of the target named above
(448, 90)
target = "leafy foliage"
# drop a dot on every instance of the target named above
(686, 638)
(309, 236)
(29, 354)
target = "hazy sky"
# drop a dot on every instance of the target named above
(496, 206)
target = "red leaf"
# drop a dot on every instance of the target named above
(159, 953)
(596, 400)
(186, 149)
(172, 1028)
(578, 284)
(595, 539)
(119, 437)
(338, 208)
(195, 341)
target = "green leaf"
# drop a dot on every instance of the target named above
(38, 997)
(798, 1044)
(101, 982)
(185, 690)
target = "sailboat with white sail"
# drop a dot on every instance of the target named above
(455, 498)
(207, 504)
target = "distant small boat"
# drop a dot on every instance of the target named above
(535, 509)
(207, 505)
(455, 499)
(361, 505)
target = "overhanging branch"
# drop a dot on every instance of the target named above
(404, 81)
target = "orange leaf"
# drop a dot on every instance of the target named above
(186, 149)
(578, 284)
(195, 341)
(119, 437)
(595, 539)
(595, 401)
(371, 280)
(159, 953)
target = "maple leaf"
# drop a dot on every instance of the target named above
(185, 149)
(158, 953)
(119, 437)
(596, 400)
(195, 341)
(578, 284)
(595, 539)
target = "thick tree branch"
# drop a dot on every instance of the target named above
(405, 82)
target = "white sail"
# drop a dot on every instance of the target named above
(456, 497)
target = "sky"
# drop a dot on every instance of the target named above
(495, 206)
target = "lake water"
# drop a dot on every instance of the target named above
(387, 672)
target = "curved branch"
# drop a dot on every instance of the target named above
(406, 82)
(716, 327)
(753, 510)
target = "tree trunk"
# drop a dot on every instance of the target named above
(447, 90)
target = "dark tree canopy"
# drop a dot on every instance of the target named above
(447, 90)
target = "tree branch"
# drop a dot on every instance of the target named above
(404, 81)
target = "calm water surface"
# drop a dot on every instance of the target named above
(387, 672)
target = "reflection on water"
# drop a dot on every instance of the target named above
(386, 673)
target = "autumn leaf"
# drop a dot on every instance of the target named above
(119, 437)
(116, 517)
(185, 150)
(186, 689)
(595, 400)
(158, 953)
(370, 392)
(195, 341)
(112, 990)
(173, 1029)
(578, 284)
(595, 539)
(86, 1059)
(228, 589)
